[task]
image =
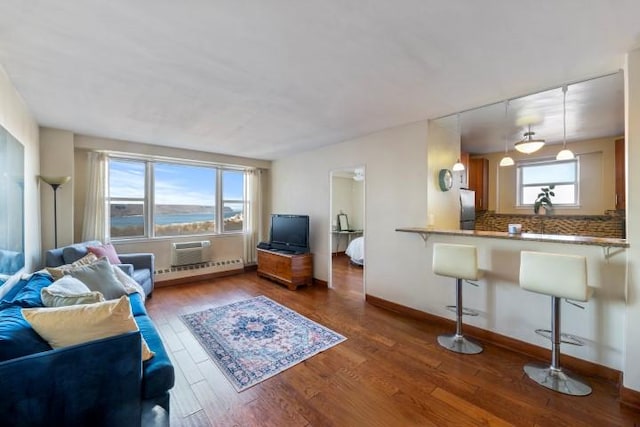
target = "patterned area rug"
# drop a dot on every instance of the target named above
(255, 339)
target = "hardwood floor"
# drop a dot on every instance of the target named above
(347, 277)
(389, 372)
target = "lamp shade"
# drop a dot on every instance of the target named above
(529, 145)
(55, 180)
(565, 154)
(458, 166)
(507, 161)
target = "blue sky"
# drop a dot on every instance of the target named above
(174, 184)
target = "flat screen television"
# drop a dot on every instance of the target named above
(290, 233)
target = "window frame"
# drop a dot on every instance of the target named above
(520, 165)
(148, 202)
(242, 202)
(110, 199)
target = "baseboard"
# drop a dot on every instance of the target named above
(572, 363)
(251, 267)
(630, 398)
(320, 283)
(197, 278)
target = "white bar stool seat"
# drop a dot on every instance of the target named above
(461, 263)
(559, 276)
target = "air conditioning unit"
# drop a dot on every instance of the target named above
(187, 253)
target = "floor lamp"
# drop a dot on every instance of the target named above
(55, 182)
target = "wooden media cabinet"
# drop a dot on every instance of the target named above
(292, 270)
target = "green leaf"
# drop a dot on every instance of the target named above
(552, 193)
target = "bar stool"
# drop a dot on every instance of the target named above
(559, 276)
(461, 263)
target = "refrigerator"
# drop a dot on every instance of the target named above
(467, 209)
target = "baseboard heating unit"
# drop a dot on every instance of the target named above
(201, 269)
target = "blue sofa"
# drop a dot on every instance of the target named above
(139, 266)
(102, 382)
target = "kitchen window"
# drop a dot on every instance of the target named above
(563, 175)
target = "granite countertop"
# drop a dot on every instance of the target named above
(550, 238)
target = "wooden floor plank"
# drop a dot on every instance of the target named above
(389, 372)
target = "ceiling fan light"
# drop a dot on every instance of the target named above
(507, 161)
(458, 166)
(565, 154)
(529, 145)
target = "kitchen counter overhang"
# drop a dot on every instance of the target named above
(547, 238)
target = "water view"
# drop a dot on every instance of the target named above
(175, 224)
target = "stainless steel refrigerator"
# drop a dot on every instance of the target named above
(467, 209)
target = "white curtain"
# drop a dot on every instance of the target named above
(94, 226)
(253, 214)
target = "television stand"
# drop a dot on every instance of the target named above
(289, 269)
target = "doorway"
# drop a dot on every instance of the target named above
(346, 231)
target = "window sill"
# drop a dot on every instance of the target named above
(134, 240)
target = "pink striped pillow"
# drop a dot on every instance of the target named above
(106, 250)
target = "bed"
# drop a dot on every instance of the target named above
(355, 251)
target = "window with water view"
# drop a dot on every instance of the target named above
(163, 199)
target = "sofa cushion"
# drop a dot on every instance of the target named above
(76, 251)
(65, 326)
(142, 276)
(158, 375)
(100, 277)
(129, 283)
(17, 338)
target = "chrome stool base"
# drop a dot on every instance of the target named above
(459, 344)
(556, 379)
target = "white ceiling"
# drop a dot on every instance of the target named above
(595, 109)
(265, 79)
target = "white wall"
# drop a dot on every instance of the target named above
(16, 118)
(56, 152)
(632, 119)
(444, 206)
(396, 196)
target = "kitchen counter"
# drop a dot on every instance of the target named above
(548, 238)
(508, 310)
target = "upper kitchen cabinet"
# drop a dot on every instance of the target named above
(478, 175)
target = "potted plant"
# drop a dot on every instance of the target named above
(544, 199)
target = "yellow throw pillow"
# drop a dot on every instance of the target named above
(58, 272)
(65, 326)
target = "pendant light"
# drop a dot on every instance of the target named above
(564, 154)
(529, 145)
(506, 160)
(458, 166)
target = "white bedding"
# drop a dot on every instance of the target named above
(355, 250)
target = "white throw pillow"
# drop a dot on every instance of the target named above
(128, 282)
(68, 291)
(65, 326)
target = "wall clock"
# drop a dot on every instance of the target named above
(445, 179)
